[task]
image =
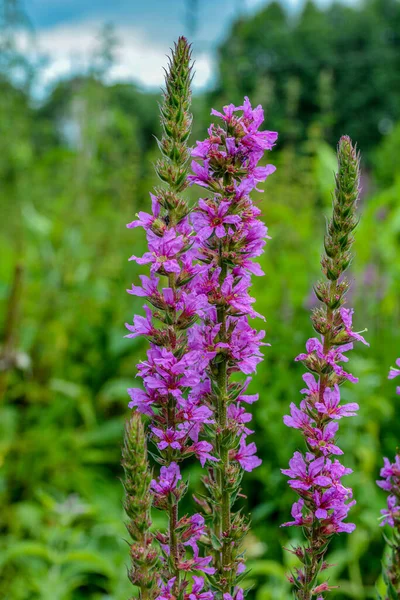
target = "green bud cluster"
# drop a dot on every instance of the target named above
(338, 238)
(176, 121)
(137, 505)
(338, 241)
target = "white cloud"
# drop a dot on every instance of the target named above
(69, 49)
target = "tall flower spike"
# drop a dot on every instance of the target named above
(390, 482)
(229, 236)
(324, 501)
(137, 504)
(172, 374)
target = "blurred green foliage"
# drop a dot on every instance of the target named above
(73, 171)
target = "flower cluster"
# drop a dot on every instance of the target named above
(229, 236)
(390, 482)
(395, 373)
(173, 375)
(317, 475)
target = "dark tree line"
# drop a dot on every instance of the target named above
(339, 62)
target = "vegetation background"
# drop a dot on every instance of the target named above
(74, 168)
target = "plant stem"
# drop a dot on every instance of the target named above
(222, 381)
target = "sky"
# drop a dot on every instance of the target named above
(67, 33)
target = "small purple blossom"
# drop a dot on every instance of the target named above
(197, 592)
(163, 252)
(141, 325)
(145, 220)
(347, 317)
(322, 439)
(197, 563)
(395, 373)
(202, 451)
(305, 476)
(245, 455)
(297, 514)
(331, 405)
(391, 515)
(168, 438)
(211, 218)
(167, 481)
(238, 594)
(166, 590)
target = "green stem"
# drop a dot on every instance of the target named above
(327, 339)
(222, 450)
(173, 521)
(173, 505)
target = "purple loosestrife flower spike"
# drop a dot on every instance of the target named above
(390, 482)
(316, 475)
(173, 374)
(137, 504)
(229, 236)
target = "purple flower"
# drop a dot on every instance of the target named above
(197, 590)
(334, 522)
(202, 451)
(391, 515)
(194, 531)
(394, 372)
(237, 595)
(167, 481)
(312, 388)
(195, 417)
(327, 501)
(305, 476)
(227, 114)
(389, 469)
(315, 358)
(211, 218)
(168, 438)
(149, 287)
(244, 346)
(245, 455)
(202, 175)
(145, 220)
(331, 405)
(197, 563)
(239, 417)
(347, 317)
(391, 474)
(166, 590)
(141, 400)
(236, 295)
(141, 325)
(163, 252)
(321, 439)
(297, 514)
(298, 419)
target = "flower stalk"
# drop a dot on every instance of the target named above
(229, 237)
(390, 482)
(172, 375)
(324, 502)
